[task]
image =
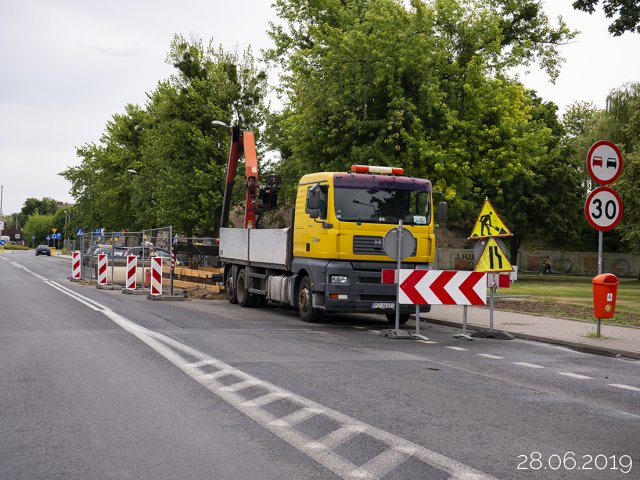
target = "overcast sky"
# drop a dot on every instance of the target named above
(69, 65)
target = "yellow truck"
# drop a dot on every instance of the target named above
(331, 258)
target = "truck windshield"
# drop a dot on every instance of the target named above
(379, 205)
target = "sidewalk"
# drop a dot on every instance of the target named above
(614, 339)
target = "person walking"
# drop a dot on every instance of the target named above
(546, 268)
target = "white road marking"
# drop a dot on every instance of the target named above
(574, 375)
(625, 387)
(530, 365)
(398, 449)
(460, 349)
(377, 332)
(428, 342)
(488, 355)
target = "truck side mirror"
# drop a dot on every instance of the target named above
(442, 212)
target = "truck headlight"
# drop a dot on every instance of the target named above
(341, 279)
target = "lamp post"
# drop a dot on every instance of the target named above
(66, 235)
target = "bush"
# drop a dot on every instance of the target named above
(10, 246)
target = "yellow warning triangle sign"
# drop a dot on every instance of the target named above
(489, 223)
(54, 230)
(493, 259)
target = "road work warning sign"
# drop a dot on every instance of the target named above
(489, 223)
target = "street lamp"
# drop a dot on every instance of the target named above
(66, 220)
(135, 172)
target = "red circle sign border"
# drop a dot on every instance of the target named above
(586, 209)
(591, 150)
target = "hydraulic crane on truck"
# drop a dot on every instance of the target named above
(258, 199)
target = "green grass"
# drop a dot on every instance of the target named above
(575, 291)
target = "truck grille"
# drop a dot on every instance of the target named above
(365, 245)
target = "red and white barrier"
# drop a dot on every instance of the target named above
(440, 287)
(102, 269)
(76, 266)
(132, 272)
(156, 275)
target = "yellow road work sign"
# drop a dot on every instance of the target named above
(489, 224)
(493, 259)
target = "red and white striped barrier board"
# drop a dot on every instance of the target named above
(440, 287)
(102, 269)
(132, 272)
(76, 269)
(156, 275)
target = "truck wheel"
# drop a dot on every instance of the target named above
(306, 311)
(230, 289)
(404, 318)
(245, 298)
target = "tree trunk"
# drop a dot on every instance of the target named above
(514, 246)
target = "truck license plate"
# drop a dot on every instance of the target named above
(383, 306)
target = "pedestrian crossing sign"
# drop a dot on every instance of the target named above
(493, 259)
(489, 223)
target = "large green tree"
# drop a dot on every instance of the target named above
(425, 87)
(179, 156)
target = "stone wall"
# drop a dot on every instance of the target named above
(580, 263)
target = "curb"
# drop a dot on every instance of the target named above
(610, 352)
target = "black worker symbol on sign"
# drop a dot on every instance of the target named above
(485, 223)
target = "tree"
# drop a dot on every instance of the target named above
(171, 143)
(628, 12)
(45, 206)
(425, 88)
(38, 226)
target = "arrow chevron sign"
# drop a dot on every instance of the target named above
(442, 287)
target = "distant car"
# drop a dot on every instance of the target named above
(43, 250)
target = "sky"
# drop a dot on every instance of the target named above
(69, 65)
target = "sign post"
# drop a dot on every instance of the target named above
(492, 258)
(398, 244)
(603, 208)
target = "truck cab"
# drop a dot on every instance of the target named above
(339, 225)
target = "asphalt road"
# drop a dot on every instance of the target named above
(106, 385)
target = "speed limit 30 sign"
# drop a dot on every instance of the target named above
(603, 208)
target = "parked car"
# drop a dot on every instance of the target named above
(43, 250)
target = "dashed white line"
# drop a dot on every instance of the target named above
(529, 365)
(625, 387)
(488, 355)
(428, 342)
(574, 375)
(460, 349)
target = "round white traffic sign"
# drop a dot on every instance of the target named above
(407, 243)
(604, 162)
(603, 208)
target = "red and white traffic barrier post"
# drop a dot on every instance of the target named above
(156, 276)
(102, 269)
(132, 272)
(76, 266)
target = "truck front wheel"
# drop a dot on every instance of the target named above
(245, 298)
(305, 305)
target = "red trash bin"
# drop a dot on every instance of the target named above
(605, 287)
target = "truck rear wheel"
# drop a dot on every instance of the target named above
(230, 288)
(305, 304)
(404, 318)
(245, 298)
